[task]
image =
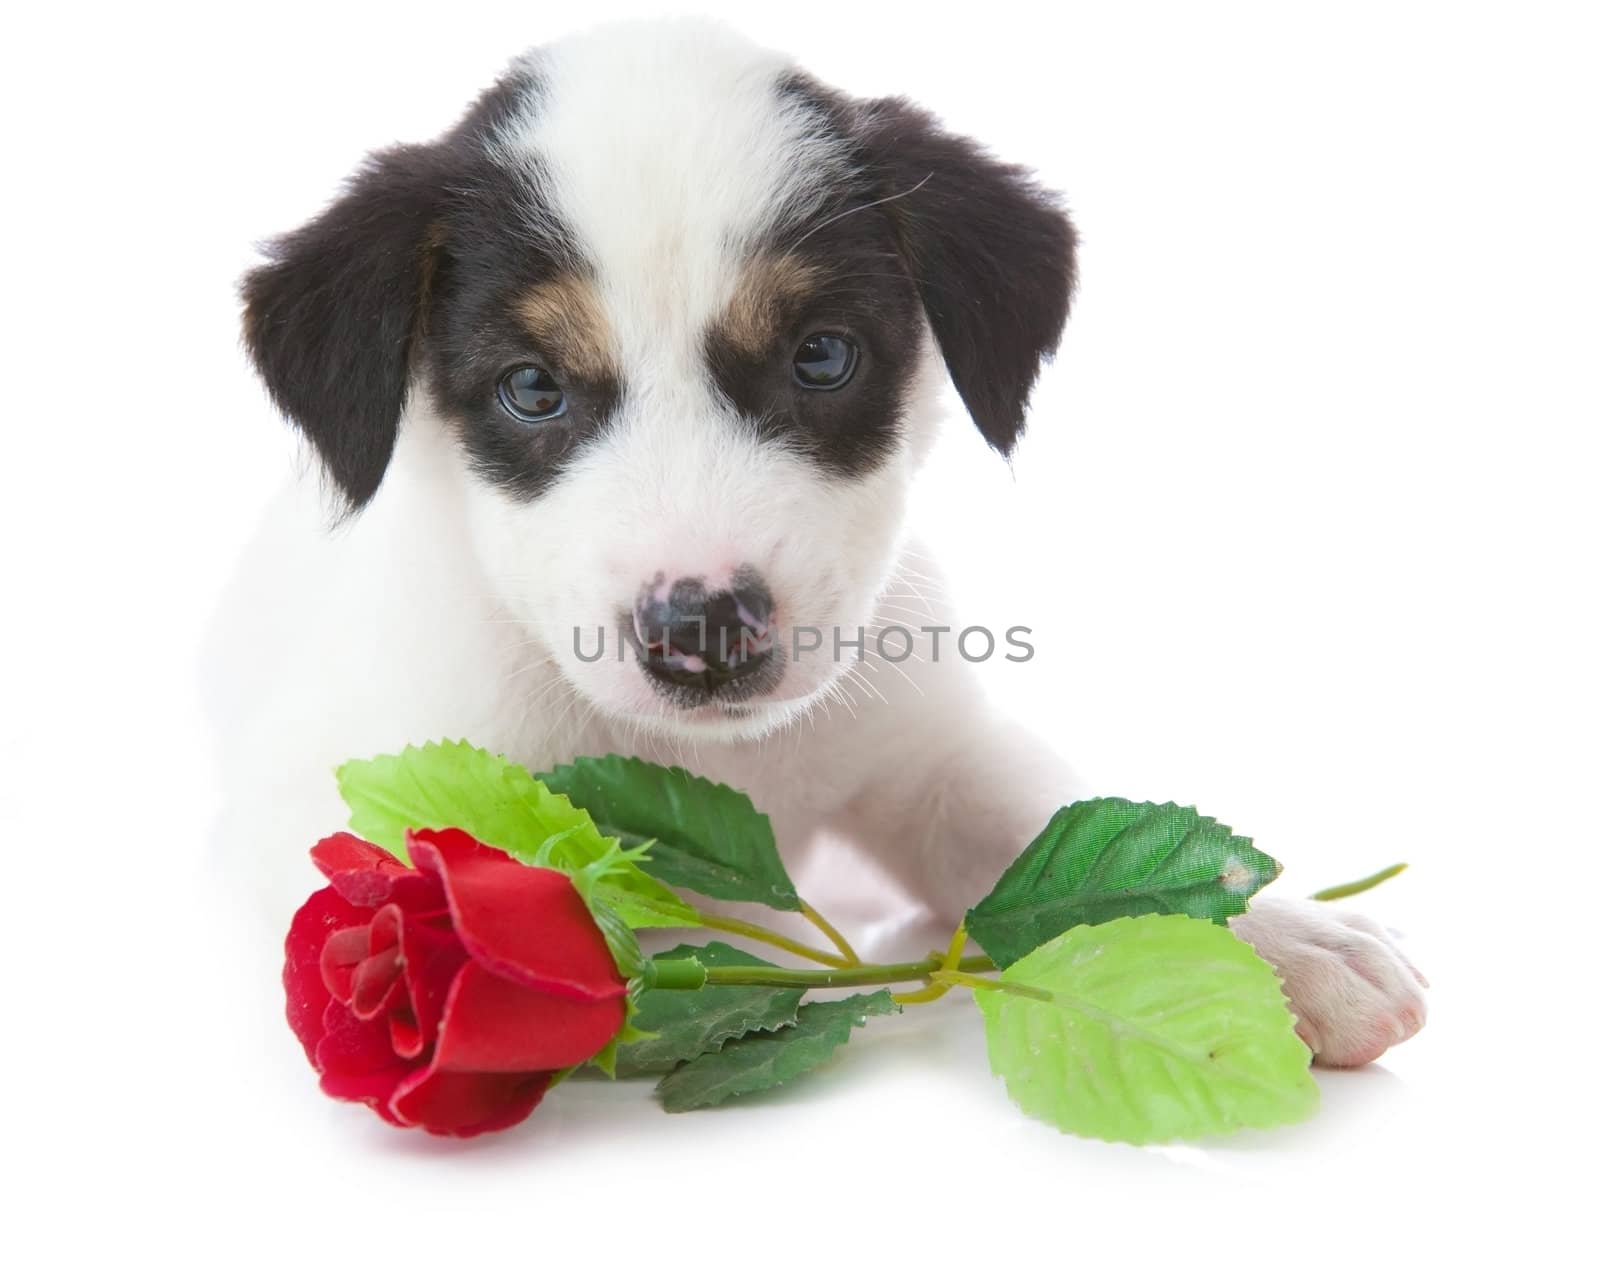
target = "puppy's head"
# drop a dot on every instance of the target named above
(685, 313)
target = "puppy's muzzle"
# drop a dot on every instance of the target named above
(706, 641)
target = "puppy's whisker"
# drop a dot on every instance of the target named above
(872, 670)
(855, 675)
(897, 661)
(911, 613)
(921, 587)
(860, 208)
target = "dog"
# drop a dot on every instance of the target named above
(640, 359)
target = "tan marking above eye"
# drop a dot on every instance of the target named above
(768, 288)
(568, 324)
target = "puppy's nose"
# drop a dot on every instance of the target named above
(695, 639)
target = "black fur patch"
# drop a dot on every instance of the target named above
(330, 319)
(855, 286)
(993, 255)
(494, 259)
(417, 265)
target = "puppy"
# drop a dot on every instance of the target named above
(640, 359)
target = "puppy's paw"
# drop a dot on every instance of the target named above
(1353, 993)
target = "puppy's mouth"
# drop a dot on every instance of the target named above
(719, 713)
(718, 720)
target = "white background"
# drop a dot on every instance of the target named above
(1305, 524)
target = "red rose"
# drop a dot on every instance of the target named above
(446, 996)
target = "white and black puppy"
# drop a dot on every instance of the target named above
(642, 357)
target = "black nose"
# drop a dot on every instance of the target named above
(692, 639)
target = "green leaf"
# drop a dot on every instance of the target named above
(1154, 1029)
(684, 1024)
(451, 783)
(709, 838)
(498, 802)
(757, 1062)
(1110, 858)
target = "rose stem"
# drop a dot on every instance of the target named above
(738, 927)
(691, 974)
(822, 925)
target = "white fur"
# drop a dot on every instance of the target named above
(447, 608)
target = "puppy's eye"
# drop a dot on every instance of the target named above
(824, 362)
(530, 394)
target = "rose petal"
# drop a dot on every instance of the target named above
(395, 968)
(404, 1035)
(344, 852)
(524, 923)
(376, 986)
(433, 956)
(341, 952)
(449, 1104)
(495, 1025)
(364, 874)
(372, 1090)
(356, 1062)
(367, 979)
(351, 1045)
(325, 913)
(387, 925)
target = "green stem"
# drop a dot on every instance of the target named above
(1360, 885)
(755, 932)
(840, 977)
(1006, 987)
(832, 933)
(673, 974)
(958, 943)
(939, 974)
(946, 977)
(929, 993)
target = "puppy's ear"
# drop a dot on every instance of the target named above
(992, 254)
(330, 318)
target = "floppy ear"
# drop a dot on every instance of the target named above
(330, 318)
(992, 254)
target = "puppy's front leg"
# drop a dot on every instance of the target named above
(1354, 994)
(951, 799)
(953, 814)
